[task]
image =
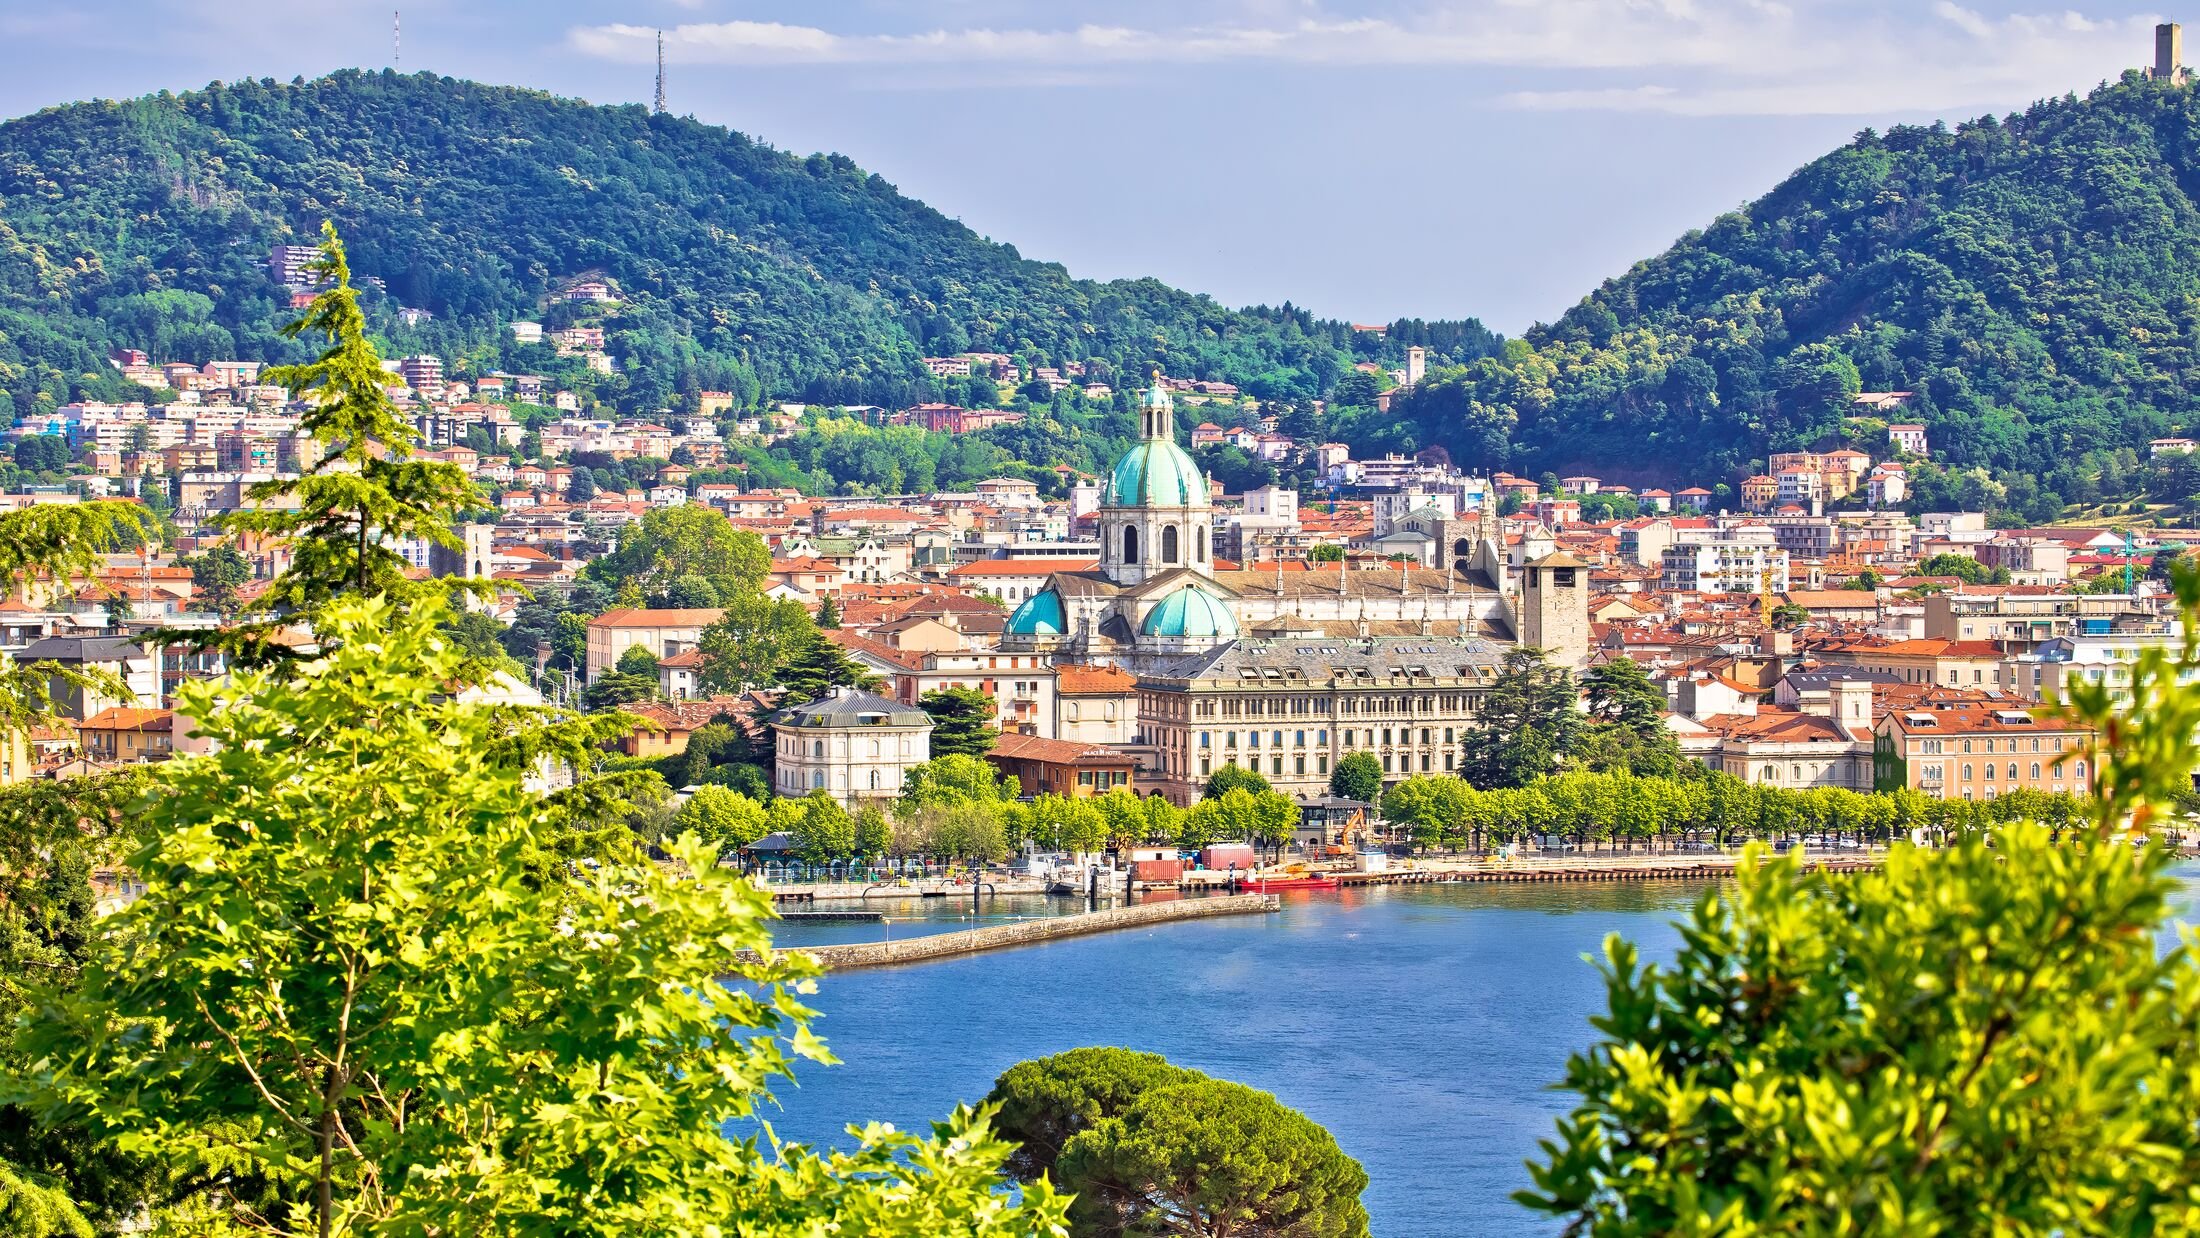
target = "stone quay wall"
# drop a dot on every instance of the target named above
(1028, 932)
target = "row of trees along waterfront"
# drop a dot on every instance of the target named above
(1621, 809)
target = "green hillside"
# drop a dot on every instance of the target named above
(742, 268)
(2035, 279)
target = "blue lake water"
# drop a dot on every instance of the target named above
(1423, 1026)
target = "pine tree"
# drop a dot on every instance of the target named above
(963, 721)
(817, 666)
(1526, 722)
(828, 613)
(342, 519)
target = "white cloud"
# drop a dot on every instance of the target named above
(1682, 56)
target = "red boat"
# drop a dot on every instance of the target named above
(1277, 885)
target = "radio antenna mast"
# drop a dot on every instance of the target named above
(397, 55)
(660, 72)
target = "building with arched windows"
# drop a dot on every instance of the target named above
(852, 745)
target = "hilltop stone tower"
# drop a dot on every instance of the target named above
(2169, 54)
(1554, 608)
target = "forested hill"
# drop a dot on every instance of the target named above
(2035, 279)
(147, 223)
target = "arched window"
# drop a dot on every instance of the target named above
(1966, 745)
(817, 780)
(1967, 772)
(817, 749)
(1168, 544)
(1795, 772)
(2012, 771)
(2035, 771)
(1130, 545)
(874, 747)
(1769, 773)
(874, 780)
(1462, 550)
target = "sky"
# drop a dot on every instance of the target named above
(1365, 159)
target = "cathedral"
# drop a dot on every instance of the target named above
(1156, 595)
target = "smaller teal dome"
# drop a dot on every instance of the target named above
(1040, 615)
(1192, 612)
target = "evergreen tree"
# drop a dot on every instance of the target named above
(341, 518)
(815, 666)
(963, 721)
(828, 613)
(1528, 721)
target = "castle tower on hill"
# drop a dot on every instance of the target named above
(2169, 54)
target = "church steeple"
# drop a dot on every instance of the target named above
(1160, 413)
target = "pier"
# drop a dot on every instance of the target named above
(1031, 932)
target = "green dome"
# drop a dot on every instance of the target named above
(1156, 473)
(1040, 615)
(1191, 612)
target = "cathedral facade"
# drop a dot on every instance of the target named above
(1156, 596)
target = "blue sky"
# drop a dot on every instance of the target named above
(1368, 159)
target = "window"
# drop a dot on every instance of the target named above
(1168, 544)
(2035, 771)
(1130, 545)
(1966, 745)
(817, 780)
(1321, 763)
(818, 749)
(874, 780)
(1203, 544)
(1386, 762)
(1967, 772)
(1298, 765)
(1275, 739)
(2013, 771)
(874, 748)
(1275, 765)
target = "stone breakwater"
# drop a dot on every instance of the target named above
(1029, 932)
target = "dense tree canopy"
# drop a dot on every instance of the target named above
(737, 267)
(2030, 278)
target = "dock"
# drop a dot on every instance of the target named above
(1031, 932)
(833, 917)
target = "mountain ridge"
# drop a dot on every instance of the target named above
(744, 268)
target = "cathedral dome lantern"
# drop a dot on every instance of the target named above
(1156, 514)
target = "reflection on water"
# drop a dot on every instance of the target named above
(1423, 1025)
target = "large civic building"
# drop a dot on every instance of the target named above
(1157, 596)
(1286, 671)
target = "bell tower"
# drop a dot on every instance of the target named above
(1554, 609)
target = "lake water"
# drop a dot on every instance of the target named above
(1421, 1025)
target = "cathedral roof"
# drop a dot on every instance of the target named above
(1156, 473)
(1191, 612)
(1040, 615)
